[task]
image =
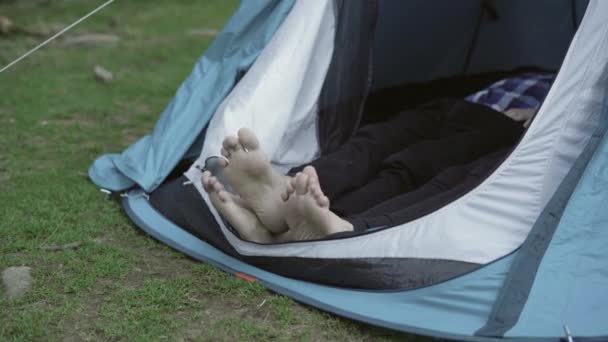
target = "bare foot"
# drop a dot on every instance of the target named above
(308, 215)
(250, 174)
(242, 219)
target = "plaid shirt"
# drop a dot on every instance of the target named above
(525, 91)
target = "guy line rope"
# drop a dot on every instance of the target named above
(56, 35)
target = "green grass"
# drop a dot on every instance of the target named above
(55, 119)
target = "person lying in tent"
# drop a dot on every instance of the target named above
(413, 156)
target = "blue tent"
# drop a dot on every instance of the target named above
(519, 256)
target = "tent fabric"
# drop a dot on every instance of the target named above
(500, 212)
(278, 97)
(571, 287)
(178, 201)
(530, 296)
(522, 33)
(350, 75)
(149, 160)
(516, 289)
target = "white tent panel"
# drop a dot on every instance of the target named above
(277, 98)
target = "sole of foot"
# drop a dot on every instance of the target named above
(308, 215)
(231, 207)
(250, 174)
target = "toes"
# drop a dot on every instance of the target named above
(210, 183)
(315, 189)
(231, 143)
(311, 172)
(248, 139)
(290, 186)
(214, 187)
(217, 186)
(293, 180)
(313, 186)
(301, 184)
(222, 162)
(225, 153)
(206, 178)
(224, 195)
(322, 201)
(285, 196)
(289, 189)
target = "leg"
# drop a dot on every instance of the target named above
(361, 157)
(407, 170)
(447, 186)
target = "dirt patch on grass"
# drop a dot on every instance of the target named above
(80, 325)
(78, 119)
(227, 318)
(127, 112)
(142, 108)
(152, 260)
(158, 266)
(125, 116)
(155, 41)
(153, 263)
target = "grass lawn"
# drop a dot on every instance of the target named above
(55, 119)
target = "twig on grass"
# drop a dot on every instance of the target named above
(72, 245)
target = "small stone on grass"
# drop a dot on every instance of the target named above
(102, 74)
(6, 25)
(73, 245)
(17, 281)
